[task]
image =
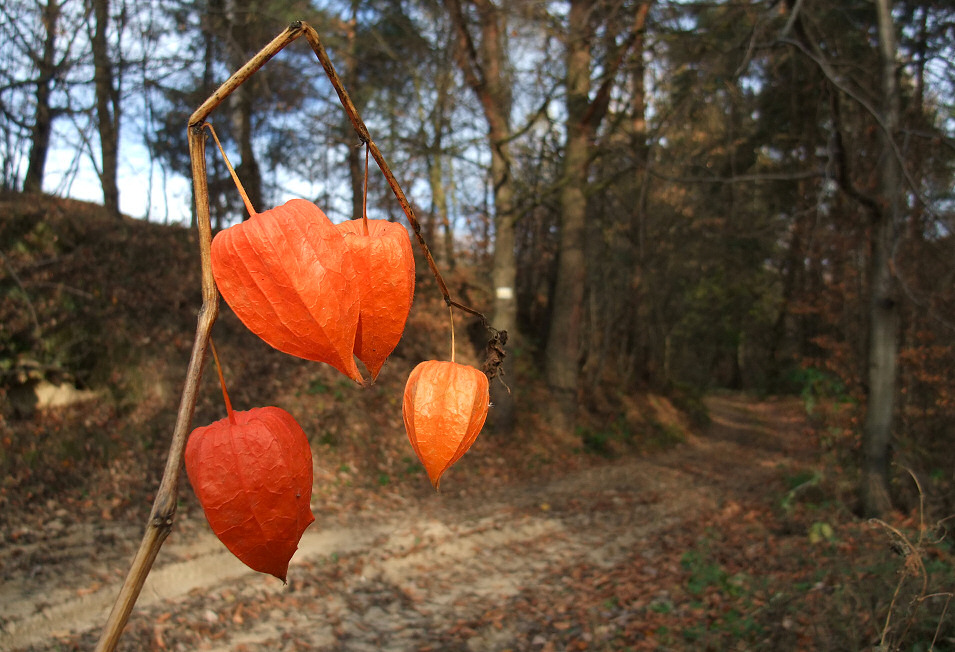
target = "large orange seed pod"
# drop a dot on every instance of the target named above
(384, 263)
(252, 473)
(444, 408)
(287, 274)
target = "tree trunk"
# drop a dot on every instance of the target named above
(562, 357)
(217, 210)
(43, 121)
(504, 271)
(248, 170)
(238, 18)
(436, 170)
(634, 149)
(636, 132)
(883, 305)
(439, 207)
(356, 153)
(496, 103)
(107, 108)
(485, 70)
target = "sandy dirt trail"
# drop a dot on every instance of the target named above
(404, 579)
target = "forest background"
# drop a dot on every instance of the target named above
(648, 196)
(658, 200)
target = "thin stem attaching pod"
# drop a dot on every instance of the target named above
(164, 506)
(451, 317)
(358, 124)
(225, 392)
(364, 196)
(235, 177)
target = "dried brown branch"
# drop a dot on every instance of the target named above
(164, 507)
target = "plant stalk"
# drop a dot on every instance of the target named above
(164, 507)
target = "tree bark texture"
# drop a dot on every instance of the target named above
(439, 207)
(43, 120)
(356, 159)
(107, 107)
(485, 69)
(640, 151)
(562, 364)
(883, 304)
(239, 23)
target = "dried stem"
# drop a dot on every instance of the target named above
(941, 619)
(451, 317)
(225, 392)
(911, 551)
(312, 36)
(364, 196)
(164, 506)
(235, 177)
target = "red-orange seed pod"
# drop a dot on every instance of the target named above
(287, 274)
(252, 473)
(384, 263)
(444, 408)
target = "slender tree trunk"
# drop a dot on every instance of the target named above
(240, 102)
(497, 110)
(562, 358)
(883, 305)
(436, 171)
(439, 207)
(356, 171)
(504, 271)
(43, 121)
(640, 151)
(504, 274)
(107, 107)
(485, 70)
(356, 158)
(248, 169)
(214, 11)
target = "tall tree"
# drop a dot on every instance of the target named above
(584, 114)
(883, 292)
(43, 119)
(355, 158)
(241, 29)
(107, 105)
(481, 52)
(436, 117)
(563, 342)
(483, 59)
(881, 204)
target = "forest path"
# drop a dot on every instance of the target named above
(443, 573)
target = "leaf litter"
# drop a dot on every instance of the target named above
(675, 550)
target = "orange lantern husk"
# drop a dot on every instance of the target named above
(252, 473)
(385, 266)
(444, 408)
(288, 275)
